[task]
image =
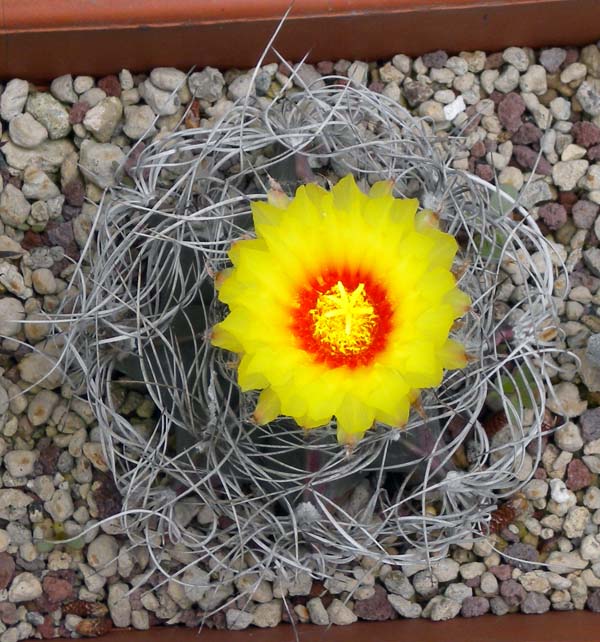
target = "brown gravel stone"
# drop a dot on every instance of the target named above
(578, 475)
(7, 570)
(8, 613)
(527, 159)
(494, 61)
(74, 192)
(554, 215)
(111, 85)
(527, 134)
(46, 629)
(510, 111)
(56, 589)
(586, 134)
(376, 607)
(78, 111)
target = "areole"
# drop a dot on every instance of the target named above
(100, 36)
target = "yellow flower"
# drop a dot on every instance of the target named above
(341, 306)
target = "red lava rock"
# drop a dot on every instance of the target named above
(132, 159)
(540, 473)
(106, 495)
(527, 134)
(376, 87)
(192, 117)
(78, 111)
(494, 61)
(522, 556)
(8, 613)
(474, 606)
(191, 618)
(74, 192)
(594, 153)
(478, 149)
(7, 570)
(473, 582)
(567, 200)
(85, 609)
(62, 234)
(94, 628)
(376, 607)
(44, 605)
(584, 214)
(484, 171)
(49, 454)
(416, 92)
(554, 215)
(46, 629)
(57, 589)
(572, 56)
(586, 134)
(497, 97)
(593, 601)
(527, 158)
(325, 67)
(589, 423)
(512, 592)
(578, 475)
(31, 240)
(436, 59)
(111, 85)
(510, 111)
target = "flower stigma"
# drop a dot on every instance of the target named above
(344, 321)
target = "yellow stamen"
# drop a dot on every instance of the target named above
(344, 320)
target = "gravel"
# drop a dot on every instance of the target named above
(527, 112)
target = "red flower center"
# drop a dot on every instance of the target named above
(342, 318)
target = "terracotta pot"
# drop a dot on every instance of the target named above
(40, 40)
(43, 39)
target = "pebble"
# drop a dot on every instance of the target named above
(425, 583)
(50, 113)
(375, 608)
(565, 562)
(592, 349)
(11, 315)
(535, 603)
(552, 59)
(238, 620)
(139, 122)
(13, 98)
(14, 208)
(521, 556)
(99, 162)
(588, 95)
(102, 555)
(554, 215)
(534, 80)
(62, 89)
(25, 131)
(102, 120)
(568, 402)
(441, 608)
(578, 475)
(340, 615)
(163, 103)
(20, 463)
(566, 174)
(474, 606)
(207, 84)
(60, 507)
(25, 587)
(167, 78)
(267, 615)
(318, 613)
(119, 604)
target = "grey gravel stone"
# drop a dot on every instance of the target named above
(404, 607)
(340, 615)
(62, 89)
(24, 588)
(167, 78)
(588, 95)
(14, 208)
(50, 113)
(207, 84)
(119, 605)
(100, 161)
(11, 315)
(19, 463)
(163, 103)
(441, 608)
(535, 603)
(139, 122)
(25, 131)
(238, 620)
(13, 98)
(102, 120)
(318, 613)
(102, 555)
